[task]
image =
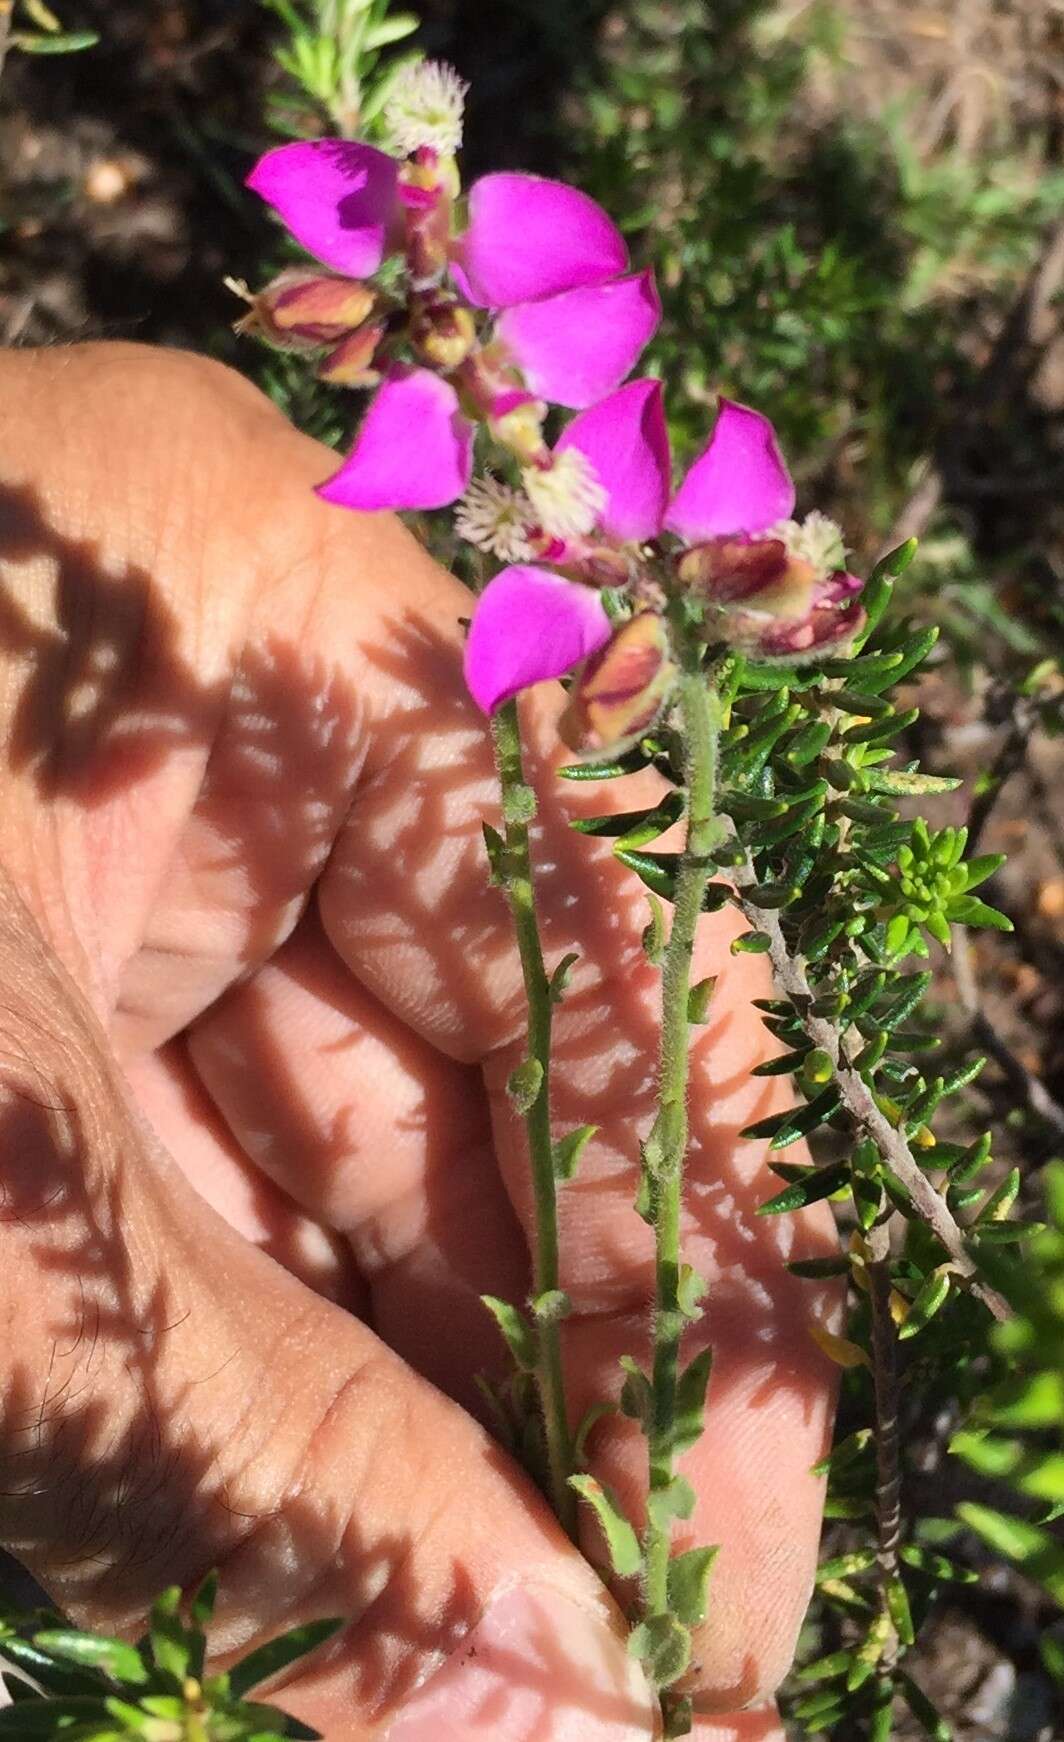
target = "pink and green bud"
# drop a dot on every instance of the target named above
(621, 690)
(351, 362)
(442, 331)
(303, 309)
(766, 601)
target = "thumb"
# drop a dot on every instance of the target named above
(172, 1400)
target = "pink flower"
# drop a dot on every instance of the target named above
(753, 569)
(543, 256)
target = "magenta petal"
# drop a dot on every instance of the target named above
(739, 484)
(529, 624)
(625, 438)
(528, 238)
(574, 348)
(414, 449)
(337, 198)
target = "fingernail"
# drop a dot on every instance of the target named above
(537, 1667)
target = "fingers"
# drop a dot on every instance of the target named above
(173, 1400)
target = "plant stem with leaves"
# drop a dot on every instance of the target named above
(530, 1088)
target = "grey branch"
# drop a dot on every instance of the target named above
(860, 1103)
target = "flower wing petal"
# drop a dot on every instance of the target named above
(625, 438)
(336, 197)
(578, 346)
(738, 484)
(529, 625)
(529, 237)
(414, 449)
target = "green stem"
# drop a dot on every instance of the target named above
(518, 806)
(668, 1144)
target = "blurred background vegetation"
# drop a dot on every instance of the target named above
(855, 211)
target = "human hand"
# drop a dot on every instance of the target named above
(246, 925)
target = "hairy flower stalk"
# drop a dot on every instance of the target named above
(515, 873)
(666, 1148)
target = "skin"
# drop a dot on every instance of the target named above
(259, 1010)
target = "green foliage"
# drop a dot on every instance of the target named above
(88, 1688)
(1015, 1436)
(334, 53)
(48, 37)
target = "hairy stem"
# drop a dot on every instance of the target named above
(517, 808)
(859, 1101)
(888, 1450)
(667, 1145)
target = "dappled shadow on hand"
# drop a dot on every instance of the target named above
(103, 692)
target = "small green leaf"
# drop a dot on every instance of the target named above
(675, 1500)
(277, 1654)
(923, 1711)
(844, 1566)
(654, 933)
(559, 980)
(524, 1084)
(520, 1337)
(688, 1579)
(550, 1307)
(900, 1613)
(969, 910)
(634, 828)
(783, 1129)
(626, 1557)
(121, 1661)
(690, 1291)
(689, 1412)
(568, 1150)
(1000, 1201)
(1033, 1549)
(70, 42)
(657, 870)
(909, 785)
(931, 1297)
(699, 999)
(588, 1421)
(495, 847)
(663, 1645)
(822, 1183)
(751, 943)
(637, 1397)
(936, 1566)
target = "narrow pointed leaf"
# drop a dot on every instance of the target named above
(626, 1557)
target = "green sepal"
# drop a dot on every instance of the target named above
(689, 1410)
(663, 1645)
(115, 1657)
(524, 1083)
(520, 1337)
(568, 1150)
(626, 1556)
(688, 1584)
(823, 1182)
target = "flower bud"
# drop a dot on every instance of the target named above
(621, 691)
(442, 331)
(766, 601)
(304, 309)
(350, 364)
